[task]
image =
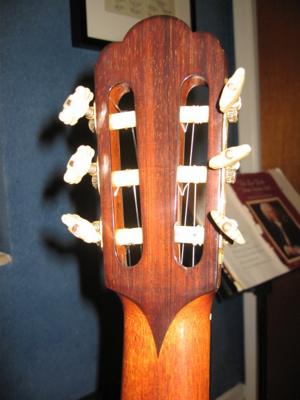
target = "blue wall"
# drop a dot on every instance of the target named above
(49, 328)
(59, 328)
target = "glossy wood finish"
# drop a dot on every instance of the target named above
(181, 370)
(160, 60)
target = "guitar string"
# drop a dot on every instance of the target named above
(128, 247)
(128, 256)
(188, 189)
(137, 214)
(185, 191)
(134, 188)
(194, 221)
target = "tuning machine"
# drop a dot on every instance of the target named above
(76, 106)
(227, 226)
(230, 160)
(81, 164)
(230, 101)
(89, 232)
(230, 104)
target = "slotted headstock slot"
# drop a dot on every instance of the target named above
(127, 209)
(194, 143)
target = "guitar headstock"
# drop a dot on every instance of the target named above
(162, 258)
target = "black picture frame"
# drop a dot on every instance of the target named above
(79, 34)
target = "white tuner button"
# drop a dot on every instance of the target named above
(229, 227)
(229, 157)
(89, 232)
(230, 96)
(76, 106)
(80, 164)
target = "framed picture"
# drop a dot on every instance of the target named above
(95, 23)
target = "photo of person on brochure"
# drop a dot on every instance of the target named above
(279, 225)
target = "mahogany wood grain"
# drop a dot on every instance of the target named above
(166, 305)
(181, 369)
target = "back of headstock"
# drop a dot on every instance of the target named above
(159, 62)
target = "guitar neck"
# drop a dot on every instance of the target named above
(181, 368)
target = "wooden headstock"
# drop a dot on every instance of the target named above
(160, 61)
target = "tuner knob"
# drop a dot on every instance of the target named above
(76, 106)
(229, 157)
(80, 164)
(232, 90)
(89, 232)
(228, 227)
